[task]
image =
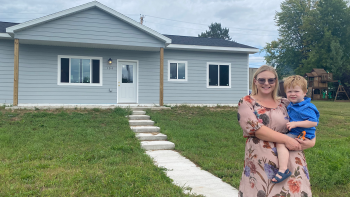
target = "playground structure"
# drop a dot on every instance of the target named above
(340, 90)
(318, 84)
(318, 89)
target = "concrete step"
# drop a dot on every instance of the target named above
(141, 122)
(151, 108)
(138, 113)
(151, 136)
(157, 145)
(139, 117)
(145, 129)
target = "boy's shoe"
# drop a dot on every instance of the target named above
(284, 175)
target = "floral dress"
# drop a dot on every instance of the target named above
(260, 162)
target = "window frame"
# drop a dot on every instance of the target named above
(78, 57)
(177, 62)
(229, 74)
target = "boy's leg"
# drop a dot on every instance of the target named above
(283, 158)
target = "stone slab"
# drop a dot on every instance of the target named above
(145, 129)
(186, 174)
(141, 122)
(157, 145)
(138, 117)
(138, 113)
(151, 136)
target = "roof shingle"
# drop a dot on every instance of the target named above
(4, 25)
(188, 40)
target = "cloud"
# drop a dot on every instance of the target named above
(250, 22)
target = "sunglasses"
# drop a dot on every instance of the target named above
(270, 80)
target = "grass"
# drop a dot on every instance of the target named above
(212, 138)
(75, 153)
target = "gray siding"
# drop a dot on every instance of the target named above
(195, 91)
(6, 71)
(38, 76)
(90, 26)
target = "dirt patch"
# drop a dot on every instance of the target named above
(15, 118)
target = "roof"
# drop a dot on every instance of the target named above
(319, 71)
(4, 25)
(173, 41)
(316, 72)
(92, 4)
(309, 75)
(200, 41)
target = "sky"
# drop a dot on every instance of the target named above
(251, 22)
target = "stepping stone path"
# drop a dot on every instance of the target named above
(184, 172)
(147, 133)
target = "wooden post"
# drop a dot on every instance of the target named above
(161, 77)
(15, 77)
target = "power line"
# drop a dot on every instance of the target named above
(232, 33)
(206, 25)
(173, 25)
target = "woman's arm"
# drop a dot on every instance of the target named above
(305, 144)
(267, 134)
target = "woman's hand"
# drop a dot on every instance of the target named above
(305, 144)
(292, 144)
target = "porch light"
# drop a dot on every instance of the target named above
(110, 61)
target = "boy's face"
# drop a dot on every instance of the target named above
(295, 95)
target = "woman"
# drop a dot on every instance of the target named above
(263, 117)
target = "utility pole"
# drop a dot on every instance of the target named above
(141, 18)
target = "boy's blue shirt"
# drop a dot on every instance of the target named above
(301, 111)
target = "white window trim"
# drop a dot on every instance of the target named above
(79, 57)
(229, 74)
(186, 72)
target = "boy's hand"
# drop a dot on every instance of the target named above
(291, 125)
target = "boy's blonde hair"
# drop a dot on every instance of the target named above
(295, 80)
(263, 69)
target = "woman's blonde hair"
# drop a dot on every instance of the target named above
(263, 69)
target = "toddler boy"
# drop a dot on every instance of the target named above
(303, 118)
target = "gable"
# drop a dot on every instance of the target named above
(93, 26)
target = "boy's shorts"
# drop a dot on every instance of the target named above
(291, 135)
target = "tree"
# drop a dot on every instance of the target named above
(216, 31)
(287, 53)
(329, 39)
(313, 34)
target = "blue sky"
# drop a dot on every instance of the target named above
(251, 22)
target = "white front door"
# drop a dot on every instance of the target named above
(127, 82)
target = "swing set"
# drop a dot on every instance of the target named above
(341, 90)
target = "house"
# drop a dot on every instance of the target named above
(94, 55)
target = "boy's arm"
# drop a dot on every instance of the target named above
(304, 124)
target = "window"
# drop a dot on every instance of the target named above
(218, 75)
(177, 70)
(78, 70)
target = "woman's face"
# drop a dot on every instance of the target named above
(265, 82)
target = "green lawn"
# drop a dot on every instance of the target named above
(75, 153)
(212, 138)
